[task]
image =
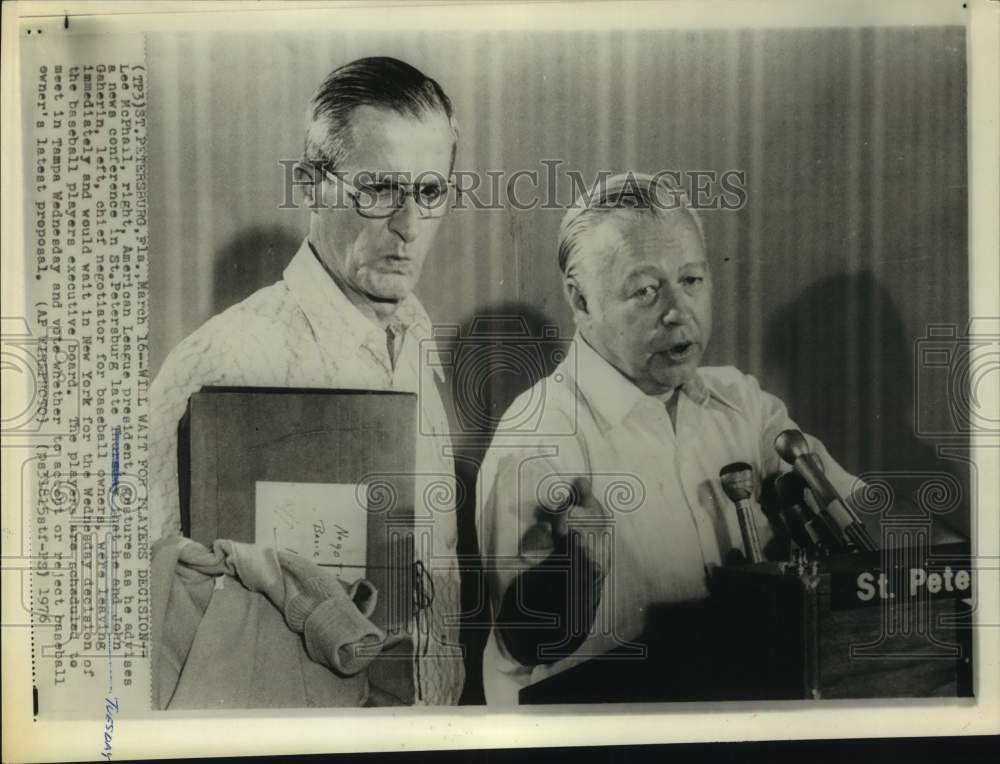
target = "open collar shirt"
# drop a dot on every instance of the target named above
(303, 332)
(670, 521)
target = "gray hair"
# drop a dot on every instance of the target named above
(629, 193)
(381, 82)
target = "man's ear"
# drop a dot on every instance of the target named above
(308, 178)
(575, 296)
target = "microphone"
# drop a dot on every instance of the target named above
(785, 534)
(737, 482)
(811, 531)
(793, 447)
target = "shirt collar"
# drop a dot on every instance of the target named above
(325, 303)
(613, 395)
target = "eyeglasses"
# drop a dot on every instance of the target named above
(382, 197)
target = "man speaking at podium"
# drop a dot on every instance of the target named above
(379, 148)
(621, 475)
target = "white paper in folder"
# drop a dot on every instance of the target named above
(323, 522)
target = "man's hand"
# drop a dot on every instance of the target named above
(548, 610)
(581, 523)
(580, 510)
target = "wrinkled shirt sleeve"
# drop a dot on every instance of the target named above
(518, 489)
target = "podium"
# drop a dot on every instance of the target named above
(889, 624)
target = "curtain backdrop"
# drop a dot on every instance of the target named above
(853, 240)
(852, 243)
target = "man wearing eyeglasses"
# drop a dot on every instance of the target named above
(379, 147)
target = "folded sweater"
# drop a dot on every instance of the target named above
(243, 626)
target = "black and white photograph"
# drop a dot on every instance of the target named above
(789, 208)
(594, 358)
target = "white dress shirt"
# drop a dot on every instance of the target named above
(303, 332)
(670, 521)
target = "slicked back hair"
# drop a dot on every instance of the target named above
(379, 82)
(629, 194)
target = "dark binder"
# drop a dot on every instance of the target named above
(232, 438)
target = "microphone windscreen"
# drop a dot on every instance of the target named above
(790, 445)
(737, 481)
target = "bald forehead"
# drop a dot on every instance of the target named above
(635, 235)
